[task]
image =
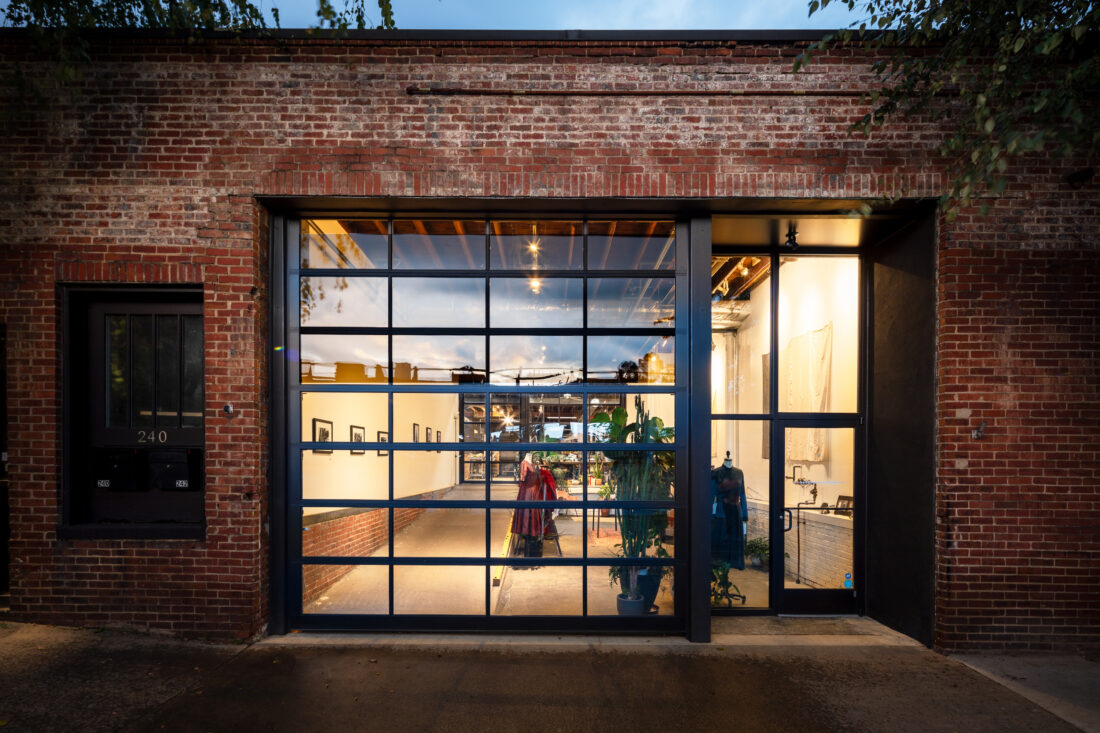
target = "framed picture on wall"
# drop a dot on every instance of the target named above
(383, 437)
(843, 506)
(416, 432)
(358, 435)
(322, 433)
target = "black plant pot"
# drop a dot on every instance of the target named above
(649, 585)
(631, 606)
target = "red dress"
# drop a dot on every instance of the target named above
(535, 484)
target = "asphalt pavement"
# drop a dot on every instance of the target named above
(758, 674)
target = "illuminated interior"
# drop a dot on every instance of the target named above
(816, 373)
(442, 363)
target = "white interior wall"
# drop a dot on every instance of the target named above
(813, 292)
(342, 475)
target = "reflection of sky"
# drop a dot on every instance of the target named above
(440, 352)
(548, 359)
(326, 243)
(343, 301)
(523, 302)
(556, 357)
(625, 252)
(460, 302)
(605, 353)
(327, 349)
(439, 251)
(615, 302)
(512, 252)
(439, 302)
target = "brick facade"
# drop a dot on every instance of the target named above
(149, 171)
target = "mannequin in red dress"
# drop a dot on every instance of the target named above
(536, 483)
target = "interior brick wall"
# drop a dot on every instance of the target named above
(358, 534)
(153, 166)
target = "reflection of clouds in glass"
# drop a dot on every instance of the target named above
(342, 301)
(438, 302)
(522, 302)
(440, 352)
(607, 353)
(631, 302)
(321, 353)
(556, 358)
(325, 348)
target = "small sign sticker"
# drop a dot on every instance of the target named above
(103, 483)
(182, 483)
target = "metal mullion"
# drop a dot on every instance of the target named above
(478, 330)
(740, 416)
(179, 370)
(292, 520)
(488, 357)
(542, 274)
(389, 425)
(129, 373)
(354, 273)
(776, 439)
(343, 503)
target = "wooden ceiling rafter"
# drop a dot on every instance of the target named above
(418, 225)
(459, 229)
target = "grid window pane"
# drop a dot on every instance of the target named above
(536, 245)
(443, 244)
(631, 245)
(345, 243)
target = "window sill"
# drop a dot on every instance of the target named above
(132, 532)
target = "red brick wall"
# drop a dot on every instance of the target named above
(156, 157)
(1019, 509)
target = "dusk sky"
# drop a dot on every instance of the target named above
(588, 15)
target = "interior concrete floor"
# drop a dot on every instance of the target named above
(461, 589)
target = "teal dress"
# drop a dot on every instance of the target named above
(729, 513)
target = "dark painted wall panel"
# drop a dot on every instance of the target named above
(901, 461)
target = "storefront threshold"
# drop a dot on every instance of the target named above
(727, 634)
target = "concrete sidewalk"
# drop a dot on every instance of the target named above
(759, 673)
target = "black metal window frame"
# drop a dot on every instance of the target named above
(781, 599)
(288, 447)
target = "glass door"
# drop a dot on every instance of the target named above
(817, 499)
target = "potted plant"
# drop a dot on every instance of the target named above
(722, 589)
(758, 551)
(637, 476)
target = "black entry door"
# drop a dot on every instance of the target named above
(818, 505)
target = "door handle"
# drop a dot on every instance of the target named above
(790, 519)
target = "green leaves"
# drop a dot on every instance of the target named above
(1001, 81)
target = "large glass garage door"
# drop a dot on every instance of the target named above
(483, 423)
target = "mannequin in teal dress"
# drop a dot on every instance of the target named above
(730, 513)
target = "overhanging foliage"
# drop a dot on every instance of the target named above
(1004, 77)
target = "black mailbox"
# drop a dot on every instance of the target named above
(118, 469)
(174, 469)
